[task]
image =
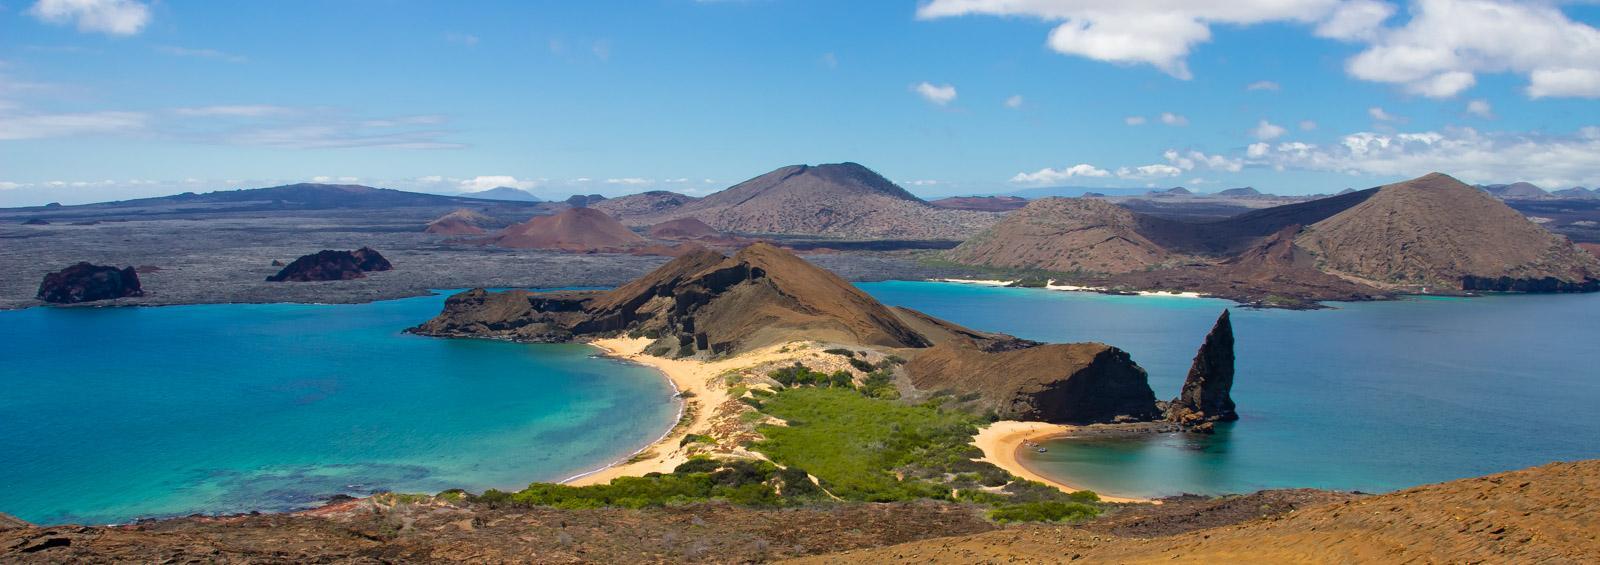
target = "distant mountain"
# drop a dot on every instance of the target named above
(1174, 191)
(1515, 191)
(1577, 192)
(575, 229)
(304, 196)
(459, 222)
(1436, 230)
(1072, 191)
(504, 193)
(843, 200)
(583, 201)
(1065, 235)
(650, 203)
(684, 229)
(981, 203)
(1244, 191)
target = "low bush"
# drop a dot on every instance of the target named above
(1050, 511)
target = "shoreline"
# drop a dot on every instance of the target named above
(677, 393)
(1002, 443)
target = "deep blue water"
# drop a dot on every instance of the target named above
(1370, 396)
(109, 414)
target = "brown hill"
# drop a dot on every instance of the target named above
(1065, 235)
(459, 222)
(1435, 230)
(703, 304)
(644, 204)
(843, 200)
(981, 203)
(1546, 514)
(574, 229)
(684, 228)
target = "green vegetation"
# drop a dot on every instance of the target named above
(840, 351)
(860, 443)
(1046, 511)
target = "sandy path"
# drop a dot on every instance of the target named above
(1001, 441)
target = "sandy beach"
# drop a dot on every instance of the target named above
(1002, 440)
(981, 282)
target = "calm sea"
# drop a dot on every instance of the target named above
(109, 414)
(1370, 396)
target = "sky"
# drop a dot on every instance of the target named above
(111, 99)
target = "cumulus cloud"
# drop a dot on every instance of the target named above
(1445, 42)
(1465, 153)
(1048, 176)
(631, 181)
(1014, 102)
(1378, 113)
(1263, 85)
(1437, 51)
(1134, 120)
(111, 17)
(1480, 108)
(941, 94)
(1196, 159)
(1157, 170)
(1160, 34)
(486, 182)
(1266, 130)
(1172, 119)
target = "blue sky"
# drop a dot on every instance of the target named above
(105, 99)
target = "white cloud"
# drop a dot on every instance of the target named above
(1149, 171)
(7, 185)
(923, 182)
(1257, 150)
(1465, 153)
(1172, 119)
(1378, 113)
(631, 181)
(937, 94)
(1437, 51)
(1014, 102)
(1159, 33)
(1356, 20)
(42, 126)
(1307, 125)
(1266, 130)
(1445, 42)
(1048, 176)
(1189, 161)
(112, 17)
(1578, 83)
(1134, 120)
(327, 179)
(1263, 85)
(212, 54)
(1480, 108)
(466, 39)
(486, 182)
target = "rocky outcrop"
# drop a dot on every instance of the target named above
(1206, 391)
(329, 265)
(515, 315)
(1065, 382)
(85, 282)
(9, 522)
(1544, 284)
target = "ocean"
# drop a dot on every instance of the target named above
(112, 414)
(1371, 396)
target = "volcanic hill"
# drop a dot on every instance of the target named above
(574, 229)
(1065, 235)
(708, 306)
(459, 222)
(843, 200)
(504, 193)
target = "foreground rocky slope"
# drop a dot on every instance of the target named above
(844, 200)
(1547, 514)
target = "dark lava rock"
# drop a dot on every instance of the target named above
(1205, 397)
(328, 265)
(277, 263)
(582, 201)
(84, 282)
(1544, 284)
(36, 222)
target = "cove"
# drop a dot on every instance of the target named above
(112, 414)
(1371, 396)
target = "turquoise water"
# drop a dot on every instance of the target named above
(1371, 396)
(109, 414)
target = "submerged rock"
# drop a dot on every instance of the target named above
(328, 265)
(1206, 391)
(85, 282)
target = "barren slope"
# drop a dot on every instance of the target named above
(575, 229)
(1065, 235)
(1436, 230)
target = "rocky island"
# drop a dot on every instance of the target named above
(328, 265)
(85, 282)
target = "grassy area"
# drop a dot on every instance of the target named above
(859, 442)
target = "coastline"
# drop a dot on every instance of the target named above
(1051, 285)
(1002, 443)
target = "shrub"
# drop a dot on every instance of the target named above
(1052, 511)
(840, 351)
(862, 366)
